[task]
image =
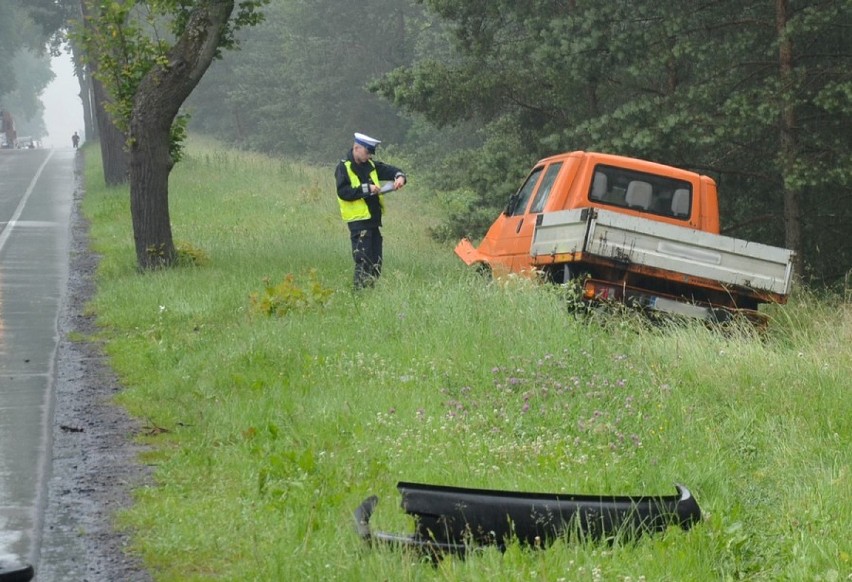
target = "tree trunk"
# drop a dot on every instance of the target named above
(155, 106)
(84, 76)
(150, 165)
(115, 158)
(90, 128)
(788, 146)
(80, 71)
(114, 155)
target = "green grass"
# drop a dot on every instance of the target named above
(266, 432)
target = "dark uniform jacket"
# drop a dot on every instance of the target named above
(386, 172)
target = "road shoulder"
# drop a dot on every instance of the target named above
(95, 460)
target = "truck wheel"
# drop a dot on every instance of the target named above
(484, 271)
(720, 316)
(560, 274)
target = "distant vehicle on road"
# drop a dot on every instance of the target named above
(28, 142)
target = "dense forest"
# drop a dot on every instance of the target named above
(24, 68)
(756, 94)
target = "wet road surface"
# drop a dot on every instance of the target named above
(36, 194)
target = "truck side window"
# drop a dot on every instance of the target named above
(546, 186)
(518, 202)
(641, 191)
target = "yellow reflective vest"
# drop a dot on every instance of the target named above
(357, 209)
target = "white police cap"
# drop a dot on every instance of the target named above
(367, 141)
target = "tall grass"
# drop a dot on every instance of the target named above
(266, 432)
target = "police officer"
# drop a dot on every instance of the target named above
(361, 198)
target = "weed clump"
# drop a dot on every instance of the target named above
(189, 255)
(289, 295)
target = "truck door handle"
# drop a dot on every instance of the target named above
(520, 224)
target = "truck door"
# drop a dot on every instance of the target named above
(520, 214)
(512, 222)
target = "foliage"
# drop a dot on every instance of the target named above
(20, 39)
(694, 85)
(277, 428)
(53, 16)
(190, 255)
(287, 295)
(32, 76)
(302, 89)
(126, 41)
(124, 53)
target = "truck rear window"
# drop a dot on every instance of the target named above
(641, 191)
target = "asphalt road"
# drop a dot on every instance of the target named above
(36, 193)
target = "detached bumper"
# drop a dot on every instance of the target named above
(16, 572)
(455, 519)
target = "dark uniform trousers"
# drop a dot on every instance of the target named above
(367, 252)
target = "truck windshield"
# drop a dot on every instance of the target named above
(546, 186)
(518, 202)
(641, 191)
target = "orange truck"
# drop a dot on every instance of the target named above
(632, 231)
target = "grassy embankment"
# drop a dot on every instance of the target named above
(266, 432)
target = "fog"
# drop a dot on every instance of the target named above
(63, 110)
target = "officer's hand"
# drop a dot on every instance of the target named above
(399, 183)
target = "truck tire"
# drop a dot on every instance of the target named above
(560, 274)
(720, 316)
(484, 271)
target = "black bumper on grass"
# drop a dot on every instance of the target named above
(455, 519)
(16, 572)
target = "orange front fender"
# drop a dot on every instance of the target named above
(468, 253)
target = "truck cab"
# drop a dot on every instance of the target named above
(592, 180)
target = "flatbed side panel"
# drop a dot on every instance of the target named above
(692, 252)
(560, 232)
